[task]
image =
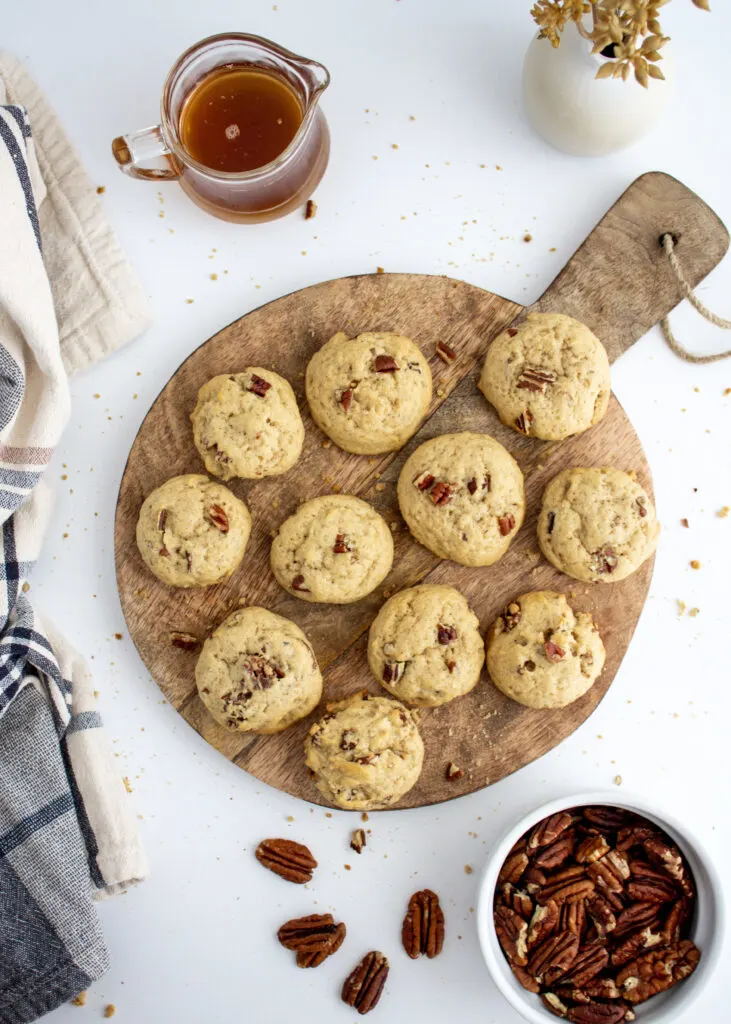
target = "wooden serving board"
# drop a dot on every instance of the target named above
(618, 283)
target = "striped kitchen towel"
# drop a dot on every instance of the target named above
(67, 833)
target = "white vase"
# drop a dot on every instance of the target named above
(583, 115)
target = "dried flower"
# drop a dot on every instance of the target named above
(627, 32)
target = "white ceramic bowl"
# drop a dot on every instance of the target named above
(706, 930)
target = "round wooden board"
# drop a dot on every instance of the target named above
(484, 733)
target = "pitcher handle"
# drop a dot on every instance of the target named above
(144, 147)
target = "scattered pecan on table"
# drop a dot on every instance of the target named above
(364, 985)
(313, 938)
(291, 861)
(423, 929)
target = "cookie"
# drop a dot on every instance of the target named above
(370, 393)
(541, 653)
(425, 645)
(547, 377)
(462, 497)
(247, 424)
(365, 753)
(192, 532)
(334, 549)
(597, 525)
(258, 673)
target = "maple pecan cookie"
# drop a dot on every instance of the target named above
(365, 753)
(192, 532)
(369, 393)
(547, 377)
(425, 646)
(597, 525)
(247, 424)
(543, 654)
(334, 549)
(258, 673)
(462, 497)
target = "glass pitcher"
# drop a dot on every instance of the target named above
(264, 193)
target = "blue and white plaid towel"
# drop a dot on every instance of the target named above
(67, 834)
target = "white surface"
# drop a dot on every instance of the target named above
(195, 943)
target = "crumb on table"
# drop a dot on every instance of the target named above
(110, 1010)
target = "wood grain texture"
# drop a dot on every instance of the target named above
(485, 733)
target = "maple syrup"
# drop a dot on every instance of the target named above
(239, 118)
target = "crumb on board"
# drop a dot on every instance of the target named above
(527, 237)
(364, 816)
(695, 564)
(310, 209)
(380, 270)
(380, 487)
(468, 869)
(80, 999)
(347, 867)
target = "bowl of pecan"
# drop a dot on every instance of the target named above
(600, 913)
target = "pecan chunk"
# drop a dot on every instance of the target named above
(217, 517)
(341, 545)
(445, 353)
(358, 840)
(346, 397)
(445, 634)
(423, 929)
(162, 518)
(441, 493)
(185, 641)
(385, 364)
(534, 379)
(553, 651)
(604, 560)
(512, 933)
(298, 584)
(506, 523)
(424, 481)
(258, 385)
(393, 670)
(523, 422)
(363, 987)
(291, 861)
(511, 616)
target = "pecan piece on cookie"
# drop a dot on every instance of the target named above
(441, 493)
(217, 517)
(445, 634)
(423, 927)
(258, 385)
(385, 364)
(291, 861)
(364, 985)
(506, 523)
(346, 397)
(534, 379)
(298, 584)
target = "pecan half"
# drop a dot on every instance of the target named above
(567, 885)
(512, 933)
(666, 857)
(635, 835)
(446, 634)
(185, 641)
(553, 651)
(588, 963)
(297, 584)
(548, 830)
(441, 493)
(523, 422)
(291, 861)
(258, 385)
(602, 914)
(649, 885)
(637, 943)
(513, 867)
(533, 379)
(572, 917)
(349, 740)
(423, 927)
(358, 840)
(658, 970)
(612, 869)
(217, 516)
(385, 364)
(553, 957)
(557, 853)
(346, 397)
(554, 1003)
(445, 353)
(506, 523)
(598, 1013)
(592, 848)
(608, 817)
(424, 481)
(393, 670)
(526, 980)
(364, 985)
(518, 900)
(543, 923)
(638, 915)
(677, 918)
(341, 545)
(312, 938)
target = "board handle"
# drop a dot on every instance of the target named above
(619, 281)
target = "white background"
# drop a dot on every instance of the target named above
(196, 943)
